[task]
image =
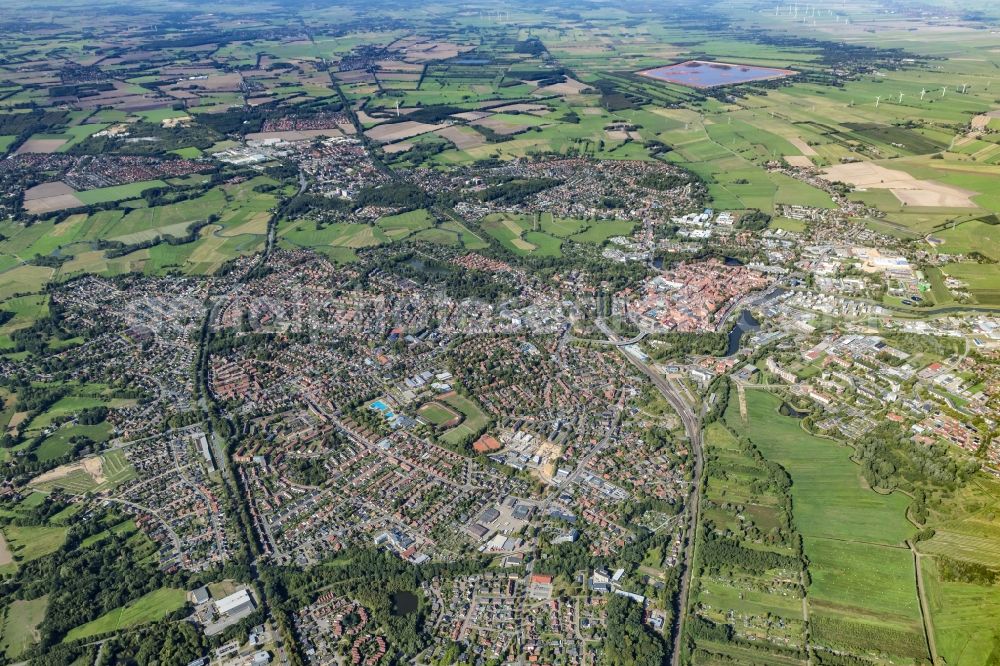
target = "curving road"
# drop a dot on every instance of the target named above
(692, 426)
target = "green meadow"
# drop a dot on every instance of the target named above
(147, 608)
(862, 594)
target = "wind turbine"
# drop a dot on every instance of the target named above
(964, 86)
(900, 98)
(922, 93)
(876, 101)
(397, 108)
(944, 90)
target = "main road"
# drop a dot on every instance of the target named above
(692, 426)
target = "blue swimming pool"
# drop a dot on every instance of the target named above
(379, 405)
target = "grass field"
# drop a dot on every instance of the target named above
(397, 227)
(966, 618)
(19, 625)
(475, 419)
(118, 192)
(147, 608)
(27, 543)
(438, 414)
(971, 236)
(863, 592)
(983, 280)
(831, 498)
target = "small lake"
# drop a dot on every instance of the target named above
(404, 603)
(704, 74)
(745, 323)
(788, 410)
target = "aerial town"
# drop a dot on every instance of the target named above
(563, 335)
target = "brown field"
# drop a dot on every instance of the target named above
(354, 76)
(568, 87)
(46, 190)
(801, 145)
(534, 109)
(393, 148)
(48, 197)
(462, 137)
(398, 131)
(91, 466)
(982, 120)
(41, 146)
(6, 557)
(398, 76)
(399, 66)
(799, 161)
(909, 190)
(471, 115)
(501, 127)
(369, 120)
(419, 52)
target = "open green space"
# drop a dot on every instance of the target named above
(147, 608)
(118, 192)
(971, 236)
(862, 594)
(19, 624)
(830, 496)
(26, 543)
(436, 413)
(473, 422)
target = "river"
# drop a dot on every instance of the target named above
(745, 323)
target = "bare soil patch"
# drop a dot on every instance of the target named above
(799, 161)
(6, 557)
(983, 119)
(46, 190)
(48, 197)
(501, 126)
(400, 147)
(91, 466)
(462, 138)
(398, 131)
(40, 146)
(801, 145)
(909, 190)
(567, 87)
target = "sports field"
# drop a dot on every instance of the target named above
(437, 414)
(475, 419)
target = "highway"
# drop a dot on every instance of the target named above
(692, 426)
